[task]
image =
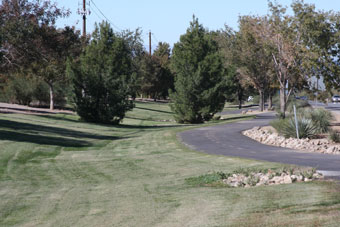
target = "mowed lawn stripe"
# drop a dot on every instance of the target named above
(134, 175)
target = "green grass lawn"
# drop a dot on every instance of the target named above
(57, 171)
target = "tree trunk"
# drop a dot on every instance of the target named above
(283, 101)
(239, 96)
(261, 104)
(51, 97)
(270, 101)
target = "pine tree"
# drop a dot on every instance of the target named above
(100, 78)
(199, 76)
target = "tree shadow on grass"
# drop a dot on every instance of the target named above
(61, 118)
(149, 119)
(43, 140)
(33, 128)
(160, 111)
(149, 127)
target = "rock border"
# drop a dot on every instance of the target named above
(268, 137)
(255, 179)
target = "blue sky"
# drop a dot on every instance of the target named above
(168, 19)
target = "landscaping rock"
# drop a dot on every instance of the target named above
(287, 179)
(310, 145)
(269, 178)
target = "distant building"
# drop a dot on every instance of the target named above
(316, 83)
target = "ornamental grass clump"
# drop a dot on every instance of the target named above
(321, 119)
(334, 136)
(310, 123)
(287, 127)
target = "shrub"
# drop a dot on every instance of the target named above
(200, 76)
(20, 89)
(287, 128)
(41, 93)
(101, 78)
(299, 104)
(278, 124)
(321, 119)
(334, 136)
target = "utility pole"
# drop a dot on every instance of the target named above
(84, 18)
(150, 42)
(83, 11)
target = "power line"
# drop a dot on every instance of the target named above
(95, 12)
(105, 16)
(154, 36)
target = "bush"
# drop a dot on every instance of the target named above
(321, 119)
(100, 78)
(310, 122)
(41, 93)
(334, 136)
(200, 82)
(299, 104)
(287, 128)
(20, 89)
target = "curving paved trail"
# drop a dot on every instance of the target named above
(228, 140)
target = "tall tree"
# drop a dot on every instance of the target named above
(254, 55)
(134, 42)
(278, 32)
(199, 76)
(238, 86)
(100, 76)
(150, 72)
(56, 45)
(319, 36)
(166, 78)
(20, 23)
(31, 42)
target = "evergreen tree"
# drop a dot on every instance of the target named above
(156, 77)
(100, 78)
(199, 76)
(137, 52)
(166, 78)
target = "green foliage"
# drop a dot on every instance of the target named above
(156, 77)
(101, 78)
(200, 78)
(20, 89)
(299, 104)
(23, 25)
(28, 90)
(287, 128)
(255, 55)
(321, 119)
(134, 42)
(32, 43)
(334, 136)
(238, 89)
(165, 78)
(302, 106)
(310, 121)
(318, 33)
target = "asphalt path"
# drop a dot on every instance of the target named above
(228, 140)
(238, 111)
